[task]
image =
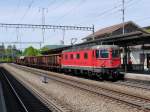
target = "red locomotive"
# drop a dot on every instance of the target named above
(100, 60)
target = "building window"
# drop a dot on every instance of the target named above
(142, 58)
(78, 56)
(71, 56)
(85, 55)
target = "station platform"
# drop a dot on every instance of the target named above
(137, 76)
(2, 101)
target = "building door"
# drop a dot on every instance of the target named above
(148, 60)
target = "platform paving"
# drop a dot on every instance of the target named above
(137, 76)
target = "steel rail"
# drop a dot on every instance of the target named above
(135, 85)
(52, 105)
(133, 103)
(14, 91)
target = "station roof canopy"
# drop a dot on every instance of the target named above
(135, 35)
(55, 50)
(115, 30)
(130, 39)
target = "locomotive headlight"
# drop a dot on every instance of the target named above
(103, 65)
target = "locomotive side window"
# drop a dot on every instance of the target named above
(93, 53)
(66, 56)
(115, 53)
(78, 56)
(71, 56)
(85, 56)
(104, 53)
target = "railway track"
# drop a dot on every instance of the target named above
(50, 103)
(128, 99)
(26, 101)
(12, 103)
(134, 84)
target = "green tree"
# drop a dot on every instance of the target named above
(31, 51)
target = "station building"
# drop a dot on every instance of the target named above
(138, 55)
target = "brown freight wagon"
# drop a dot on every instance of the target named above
(49, 62)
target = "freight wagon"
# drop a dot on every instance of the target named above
(102, 61)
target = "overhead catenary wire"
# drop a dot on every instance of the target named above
(59, 5)
(112, 10)
(28, 9)
(17, 8)
(131, 3)
(51, 3)
(71, 10)
(109, 12)
(49, 8)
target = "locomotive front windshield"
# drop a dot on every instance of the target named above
(103, 53)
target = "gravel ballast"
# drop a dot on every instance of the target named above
(66, 95)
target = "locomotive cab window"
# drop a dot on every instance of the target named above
(66, 56)
(97, 54)
(71, 56)
(78, 56)
(115, 53)
(104, 53)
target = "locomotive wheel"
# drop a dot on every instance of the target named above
(115, 76)
(99, 76)
(121, 76)
(89, 74)
(104, 76)
(77, 72)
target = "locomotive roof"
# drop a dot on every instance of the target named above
(104, 46)
(92, 47)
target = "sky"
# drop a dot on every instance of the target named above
(100, 13)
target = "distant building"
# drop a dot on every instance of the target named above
(140, 54)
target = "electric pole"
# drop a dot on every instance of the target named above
(123, 16)
(63, 39)
(93, 32)
(123, 32)
(43, 10)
